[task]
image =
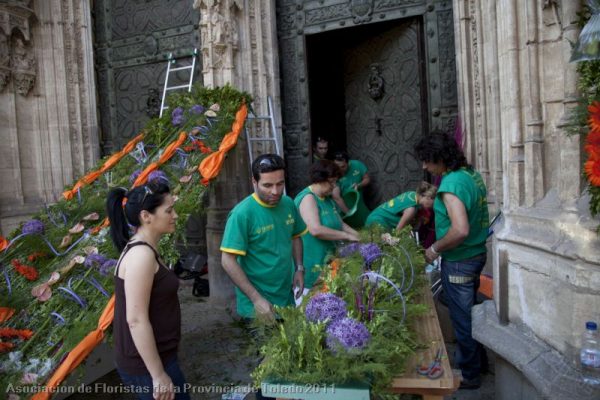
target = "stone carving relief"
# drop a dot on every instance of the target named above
(375, 82)
(17, 61)
(362, 10)
(219, 32)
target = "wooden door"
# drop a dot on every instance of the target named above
(385, 108)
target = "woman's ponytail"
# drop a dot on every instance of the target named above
(119, 229)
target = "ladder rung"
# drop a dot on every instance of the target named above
(253, 139)
(258, 117)
(177, 87)
(180, 68)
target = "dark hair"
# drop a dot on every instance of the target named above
(341, 155)
(441, 147)
(321, 140)
(323, 170)
(146, 197)
(266, 163)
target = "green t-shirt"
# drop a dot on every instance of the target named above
(317, 250)
(261, 235)
(389, 213)
(354, 174)
(468, 186)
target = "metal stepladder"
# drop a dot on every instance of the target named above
(171, 70)
(273, 137)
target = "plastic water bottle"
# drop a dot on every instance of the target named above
(590, 354)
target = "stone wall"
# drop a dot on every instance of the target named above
(516, 88)
(47, 103)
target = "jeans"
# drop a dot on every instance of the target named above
(142, 384)
(460, 280)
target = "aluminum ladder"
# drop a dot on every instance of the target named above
(172, 69)
(272, 137)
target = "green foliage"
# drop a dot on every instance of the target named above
(295, 350)
(51, 340)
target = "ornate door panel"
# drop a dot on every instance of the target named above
(400, 113)
(132, 41)
(384, 108)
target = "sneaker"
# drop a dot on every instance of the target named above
(470, 384)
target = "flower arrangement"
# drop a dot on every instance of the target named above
(356, 325)
(55, 270)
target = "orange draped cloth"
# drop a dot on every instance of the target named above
(108, 164)
(211, 165)
(79, 352)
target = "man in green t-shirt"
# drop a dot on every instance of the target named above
(320, 149)
(261, 236)
(461, 229)
(354, 177)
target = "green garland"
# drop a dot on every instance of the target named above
(295, 351)
(51, 340)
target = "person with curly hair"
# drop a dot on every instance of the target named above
(461, 228)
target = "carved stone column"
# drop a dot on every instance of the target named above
(239, 47)
(47, 102)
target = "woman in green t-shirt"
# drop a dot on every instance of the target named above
(402, 209)
(319, 212)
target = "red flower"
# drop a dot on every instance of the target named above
(594, 116)
(30, 273)
(592, 170)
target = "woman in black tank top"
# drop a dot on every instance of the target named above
(147, 321)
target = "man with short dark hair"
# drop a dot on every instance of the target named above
(320, 149)
(461, 227)
(261, 235)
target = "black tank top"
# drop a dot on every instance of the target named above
(164, 313)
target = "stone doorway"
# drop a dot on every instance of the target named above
(315, 84)
(366, 96)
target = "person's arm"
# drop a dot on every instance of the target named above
(407, 215)
(298, 254)
(337, 197)
(348, 229)
(366, 179)
(459, 227)
(140, 268)
(310, 214)
(262, 307)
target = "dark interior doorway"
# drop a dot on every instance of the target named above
(377, 128)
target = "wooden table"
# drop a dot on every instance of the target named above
(427, 328)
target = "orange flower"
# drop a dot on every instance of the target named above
(12, 333)
(30, 273)
(594, 116)
(6, 346)
(592, 170)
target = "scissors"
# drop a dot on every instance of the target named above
(434, 370)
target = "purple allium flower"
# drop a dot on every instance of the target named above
(107, 266)
(325, 306)
(347, 334)
(33, 226)
(177, 120)
(348, 250)
(177, 112)
(134, 175)
(158, 176)
(370, 252)
(94, 260)
(196, 109)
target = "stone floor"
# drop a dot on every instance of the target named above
(214, 359)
